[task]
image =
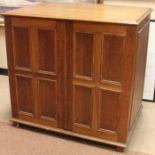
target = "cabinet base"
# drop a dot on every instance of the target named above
(120, 149)
(69, 133)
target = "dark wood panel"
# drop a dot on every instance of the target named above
(47, 99)
(21, 44)
(82, 105)
(83, 54)
(47, 50)
(113, 58)
(24, 94)
(109, 109)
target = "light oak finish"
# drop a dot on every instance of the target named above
(84, 12)
(77, 77)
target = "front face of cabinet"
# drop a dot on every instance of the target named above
(70, 75)
(38, 70)
(95, 80)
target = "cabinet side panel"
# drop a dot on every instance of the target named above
(142, 36)
(127, 82)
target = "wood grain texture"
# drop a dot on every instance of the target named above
(24, 94)
(22, 47)
(46, 55)
(37, 71)
(84, 12)
(79, 78)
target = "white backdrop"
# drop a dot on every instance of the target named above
(150, 67)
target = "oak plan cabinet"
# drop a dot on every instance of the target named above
(77, 69)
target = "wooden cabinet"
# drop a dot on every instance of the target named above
(81, 78)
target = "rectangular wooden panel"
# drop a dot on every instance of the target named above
(47, 50)
(24, 94)
(83, 54)
(108, 116)
(21, 47)
(113, 58)
(82, 105)
(47, 99)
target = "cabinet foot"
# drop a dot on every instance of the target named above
(16, 124)
(120, 149)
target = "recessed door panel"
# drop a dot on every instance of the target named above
(82, 108)
(47, 100)
(108, 116)
(25, 96)
(113, 58)
(21, 47)
(46, 50)
(83, 54)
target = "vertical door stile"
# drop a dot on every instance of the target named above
(60, 45)
(34, 49)
(69, 75)
(98, 37)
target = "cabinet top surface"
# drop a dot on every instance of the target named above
(84, 12)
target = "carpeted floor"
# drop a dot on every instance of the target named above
(21, 141)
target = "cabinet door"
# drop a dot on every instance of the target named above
(49, 70)
(38, 71)
(95, 63)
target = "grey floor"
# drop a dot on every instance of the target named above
(142, 139)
